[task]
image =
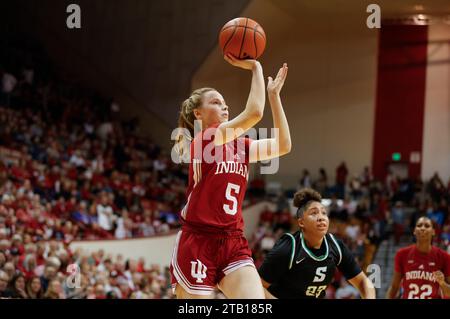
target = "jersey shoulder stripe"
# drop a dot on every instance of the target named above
(292, 249)
(338, 249)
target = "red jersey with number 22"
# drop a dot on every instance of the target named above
(218, 178)
(417, 270)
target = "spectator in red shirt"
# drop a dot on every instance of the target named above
(99, 292)
(267, 216)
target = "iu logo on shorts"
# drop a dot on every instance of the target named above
(198, 270)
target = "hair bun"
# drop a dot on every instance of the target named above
(303, 196)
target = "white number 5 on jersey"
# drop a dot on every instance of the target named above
(320, 274)
(231, 210)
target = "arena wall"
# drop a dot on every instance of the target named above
(436, 136)
(158, 249)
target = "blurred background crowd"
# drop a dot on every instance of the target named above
(72, 169)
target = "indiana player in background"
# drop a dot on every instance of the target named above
(302, 265)
(422, 270)
(211, 250)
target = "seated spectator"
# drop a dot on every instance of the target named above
(2, 259)
(112, 295)
(10, 269)
(16, 287)
(4, 279)
(305, 180)
(437, 215)
(398, 218)
(48, 275)
(54, 290)
(34, 288)
(105, 213)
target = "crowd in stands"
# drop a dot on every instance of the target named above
(363, 212)
(62, 185)
(71, 169)
(39, 270)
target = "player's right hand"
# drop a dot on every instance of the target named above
(243, 64)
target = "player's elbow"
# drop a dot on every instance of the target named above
(254, 112)
(256, 115)
(285, 147)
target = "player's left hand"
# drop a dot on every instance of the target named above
(274, 86)
(439, 277)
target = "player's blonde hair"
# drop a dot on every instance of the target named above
(186, 118)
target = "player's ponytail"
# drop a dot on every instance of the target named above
(186, 120)
(303, 198)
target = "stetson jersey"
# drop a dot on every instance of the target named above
(218, 177)
(294, 270)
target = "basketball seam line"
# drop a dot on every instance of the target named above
(254, 41)
(230, 26)
(262, 34)
(243, 26)
(243, 38)
(229, 39)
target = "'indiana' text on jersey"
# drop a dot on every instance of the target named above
(232, 168)
(416, 269)
(217, 188)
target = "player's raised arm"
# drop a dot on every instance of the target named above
(280, 144)
(254, 108)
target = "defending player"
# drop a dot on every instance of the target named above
(302, 265)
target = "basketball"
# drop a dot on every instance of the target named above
(243, 38)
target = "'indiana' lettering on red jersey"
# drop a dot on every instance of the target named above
(218, 177)
(417, 269)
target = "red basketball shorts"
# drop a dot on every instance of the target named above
(200, 261)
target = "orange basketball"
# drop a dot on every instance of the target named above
(244, 38)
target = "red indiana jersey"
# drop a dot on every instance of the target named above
(417, 270)
(218, 178)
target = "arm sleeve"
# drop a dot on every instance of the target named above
(277, 260)
(348, 266)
